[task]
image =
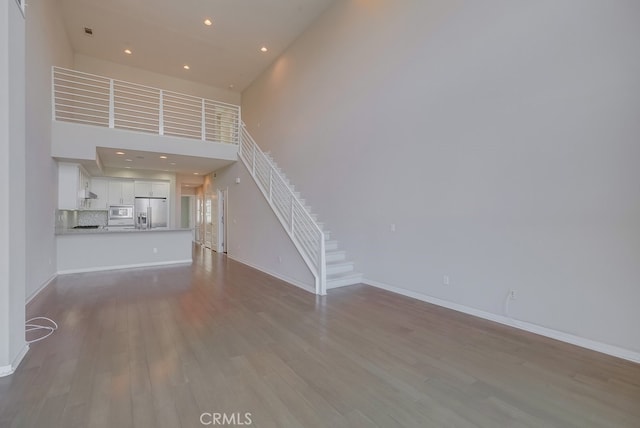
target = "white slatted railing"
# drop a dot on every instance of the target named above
(95, 100)
(305, 233)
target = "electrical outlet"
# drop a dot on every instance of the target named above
(445, 280)
(512, 294)
(155, 250)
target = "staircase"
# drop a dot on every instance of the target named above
(326, 261)
(100, 101)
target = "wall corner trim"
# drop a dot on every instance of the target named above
(41, 288)
(615, 351)
(10, 369)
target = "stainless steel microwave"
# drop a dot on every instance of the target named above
(120, 215)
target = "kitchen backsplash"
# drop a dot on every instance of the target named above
(92, 218)
(69, 219)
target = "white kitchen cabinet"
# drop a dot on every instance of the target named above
(72, 180)
(121, 192)
(99, 186)
(153, 189)
(128, 195)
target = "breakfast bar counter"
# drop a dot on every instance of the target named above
(88, 250)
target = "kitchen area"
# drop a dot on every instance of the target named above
(115, 222)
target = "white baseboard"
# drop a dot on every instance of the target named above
(41, 288)
(116, 267)
(8, 370)
(593, 345)
(299, 284)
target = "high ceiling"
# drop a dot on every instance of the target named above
(164, 35)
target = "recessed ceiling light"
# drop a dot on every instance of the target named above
(186, 67)
(128, 167)
(163, 157)
(128, 51)
(196, 173)
(264, 49)
(172, 163)
(119, 153)
(129, 160)
(207, 22)
(231, 86)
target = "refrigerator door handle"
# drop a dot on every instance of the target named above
(149, 219)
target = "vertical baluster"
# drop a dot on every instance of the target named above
(204, 128)
(254, 160)
(322, 269)
(161, 115)
(53, 93)
(292, 199)
(112, 110)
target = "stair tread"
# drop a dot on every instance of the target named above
(343, 275)
(339, 262)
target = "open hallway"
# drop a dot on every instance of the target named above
(160, 347)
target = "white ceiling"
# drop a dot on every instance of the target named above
(139, 160)
(166, 34)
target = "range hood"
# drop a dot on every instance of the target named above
(86, 194)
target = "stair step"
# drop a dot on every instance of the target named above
(339, 267)
(330, 244)
(335, 256)
(342, 280)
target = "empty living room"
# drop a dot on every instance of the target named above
(319, 213)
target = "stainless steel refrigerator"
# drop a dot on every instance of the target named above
(150, 213)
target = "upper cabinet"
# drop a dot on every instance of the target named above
(99, 186)
(73, 179)
(121, 192)
(151, 189)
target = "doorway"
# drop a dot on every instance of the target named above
(199, 220)
(187, 214)
(223, 196)
(208, 221)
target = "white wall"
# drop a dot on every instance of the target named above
(47, 45)
(87, 252)
(255, 236)
(500, 137)
(12, 187)
(131, 74)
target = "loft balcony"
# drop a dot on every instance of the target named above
(91, 113)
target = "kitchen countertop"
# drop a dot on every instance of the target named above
(116, 229)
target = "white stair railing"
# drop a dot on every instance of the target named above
(100, 101)
(304, 232)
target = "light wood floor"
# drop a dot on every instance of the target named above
(158, 347)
